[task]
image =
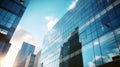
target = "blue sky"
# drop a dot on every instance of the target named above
(39, 13)
(34, 20)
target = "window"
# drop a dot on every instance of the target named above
(88, 55)
(93, 28)
(2, 22)
(8, 25)
(108, 47)
(105, 21)
(12, 18)
(8, 15)
(0, 10)
(112, 14)
(117, 9)
(82, 36)
(97, 50)
(104, 29)
(98, 24)
(94, 35)
(3, 13)
(117, 35)
(1, 18)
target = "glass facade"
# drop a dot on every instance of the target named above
(98, 23)
(11, 12)
(24, 52)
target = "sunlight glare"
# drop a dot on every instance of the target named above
(10, 57)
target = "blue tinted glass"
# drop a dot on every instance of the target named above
(97, 50)
(112, 14)
(5, 19)
(8, 25)
(88, 55)
(3, 13)
(117, 9)
(94, 35)
(8, 15)
(83, 35)
(98, 24)
(109, 47)
(12, 18)
(2, 22)
(105, 19)
(1, 18)
(93, 28)
(16, 8)
(117, 35)
(101, 30)
(0, 10)
(116, 22)
(87, 39)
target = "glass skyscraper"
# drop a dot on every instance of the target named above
(22, 55)
(98, 23)
(11, 12)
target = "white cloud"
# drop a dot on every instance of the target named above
(72, 5)
(91, 64)
(48, 18)
(51, 21)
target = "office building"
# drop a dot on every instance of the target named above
(24, 52)
(30, 60)
(37, 59)
(98, 23)
(11, 12)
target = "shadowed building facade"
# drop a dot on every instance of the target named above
(98, 23)
(71, 55)
(11, 12)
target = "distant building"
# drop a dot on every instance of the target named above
(11, 12)
(37, 60)
(24, 52)
(98, 23)
(30, 60)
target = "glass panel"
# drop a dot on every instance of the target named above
(112, 14)
(88, 55)
(108, 47)
(12, 18)
(0, 10)
(94, 34)
(117, 34)
(117, 8)
(1, 18)
(3, 13)
(8, 25)
(98, 57)
(8, 15)
(116, 22)
(3, 23)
